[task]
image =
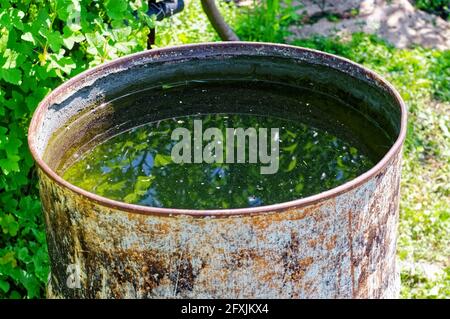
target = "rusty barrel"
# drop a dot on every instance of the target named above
(340, 243)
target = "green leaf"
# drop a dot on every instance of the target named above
(58, 62)
(9, 225)
(8, 259)
(30, 283)
(28, 36)
(11, 146)
(23, 255)
(54, 39)
(10, 164)
(11, 59)
(4, 285)
(70, 40)
(13, 76)
(12, 17)
(116, 8)
(41, 264)
(15, 295)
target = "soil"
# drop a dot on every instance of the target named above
(396, 21)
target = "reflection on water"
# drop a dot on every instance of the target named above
(136, 166)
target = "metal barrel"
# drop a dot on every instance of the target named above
(340, 243)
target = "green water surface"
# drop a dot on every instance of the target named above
(135, 166)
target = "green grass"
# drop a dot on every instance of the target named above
(422, 76)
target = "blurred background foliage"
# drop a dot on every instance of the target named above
(43, 43)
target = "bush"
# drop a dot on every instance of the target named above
(438, 7)
(42, 43)
(266, 21)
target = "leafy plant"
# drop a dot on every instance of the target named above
(266, 21)
(439, 7)
(192, 25)
(42, 43)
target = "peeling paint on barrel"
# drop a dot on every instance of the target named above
(343, 247)
(340, 244)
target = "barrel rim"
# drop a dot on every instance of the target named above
(203, 48)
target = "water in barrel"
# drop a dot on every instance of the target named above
(231, 145)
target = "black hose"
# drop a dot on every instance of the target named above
(165, 8)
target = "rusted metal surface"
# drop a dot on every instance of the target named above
(337, 244)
